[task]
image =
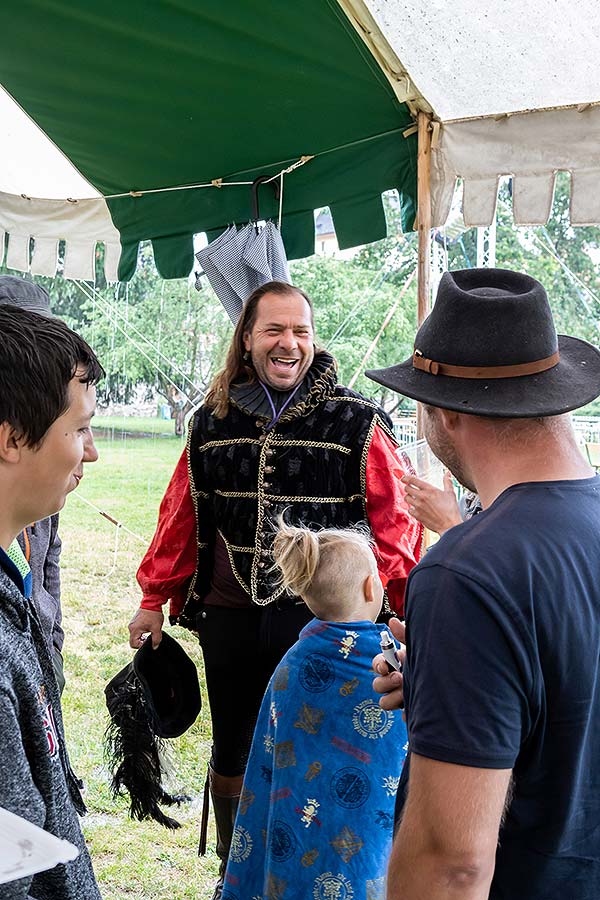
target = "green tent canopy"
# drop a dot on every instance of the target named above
(144, 95)
(152, 94)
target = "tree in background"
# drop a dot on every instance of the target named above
(395, 255)
(152, 334)
(351, 303)
(187, 334)
(352, 299)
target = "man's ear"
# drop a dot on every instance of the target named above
(11, 443)
(450, 419)
(369, 589)
(246, 339)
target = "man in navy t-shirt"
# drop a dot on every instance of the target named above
(500, 796)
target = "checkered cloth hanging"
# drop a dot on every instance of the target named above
(239, 261)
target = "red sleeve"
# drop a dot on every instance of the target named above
(170, 560)
(397, 534)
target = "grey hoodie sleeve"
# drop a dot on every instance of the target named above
(19, 793)
(52, 564)
(52, 579)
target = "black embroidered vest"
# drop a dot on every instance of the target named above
(311, 465)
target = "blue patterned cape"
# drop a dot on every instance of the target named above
(316, 813)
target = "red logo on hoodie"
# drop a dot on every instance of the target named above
(49, 723)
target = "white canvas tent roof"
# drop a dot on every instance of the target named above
(513, 86)
(471, 59)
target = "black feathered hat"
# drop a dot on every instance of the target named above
(155, 696)
(490, 348)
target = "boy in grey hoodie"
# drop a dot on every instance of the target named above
(39, 542)
(47, 399)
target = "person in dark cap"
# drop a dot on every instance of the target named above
(45, 440)
(24, 294)
(500, 796)
(37, 548)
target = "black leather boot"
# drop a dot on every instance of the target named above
(225, 794)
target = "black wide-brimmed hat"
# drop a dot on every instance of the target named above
(154, 697)
(170, 681)
(490, 348)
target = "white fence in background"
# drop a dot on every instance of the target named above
(587, 429)
(405, 430)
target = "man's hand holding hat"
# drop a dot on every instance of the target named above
(146, 621)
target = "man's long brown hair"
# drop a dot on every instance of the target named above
(236, 366)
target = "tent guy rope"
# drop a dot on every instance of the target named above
(112, 313)
(214, 183)
(111, 519)
(388, 318)
(221, 182)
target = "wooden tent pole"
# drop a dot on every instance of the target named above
(424, 228)
(424, 215)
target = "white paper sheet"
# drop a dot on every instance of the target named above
(26, 849)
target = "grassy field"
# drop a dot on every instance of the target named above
(131, 859)
(134, 424)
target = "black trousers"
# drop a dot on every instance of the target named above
(241, 649)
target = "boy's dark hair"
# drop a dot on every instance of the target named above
(38, 358)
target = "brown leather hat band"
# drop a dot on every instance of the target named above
(437, 368)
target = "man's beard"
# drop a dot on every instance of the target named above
(445, 450)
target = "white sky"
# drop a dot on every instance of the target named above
(30, 163)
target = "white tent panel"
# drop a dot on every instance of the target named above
(31, 166)
(80, 223)
(531, 147)
(30, 163)
(470, 58)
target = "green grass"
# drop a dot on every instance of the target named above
(133, 424)
(99, 595)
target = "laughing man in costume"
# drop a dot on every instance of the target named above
(276, 432)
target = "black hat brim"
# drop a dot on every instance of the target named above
(572, 383)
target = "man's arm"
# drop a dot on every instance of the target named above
(170, 561)
(397, 534)
(52, 578)
(445, 846)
